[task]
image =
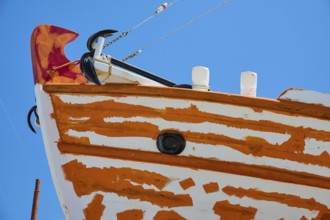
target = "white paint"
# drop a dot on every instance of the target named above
(242, 112)
(274, 210)
(161, 103)
(206, 128)
(225, 153)
(98, 47)
(83, 99)
(75, 204)
(249, 83)
(79, 119)
(315, 147)
(200, 78)
(132, 77)
(203, 202)
(146, 144)
(219, 152)
(237, 112)
(307, 96)
(64, 189)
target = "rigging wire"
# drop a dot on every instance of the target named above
(18, 138)
(176, 30)
(157, 11)
(28, 158)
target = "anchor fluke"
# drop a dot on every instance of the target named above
(104, 33)
(37, 122)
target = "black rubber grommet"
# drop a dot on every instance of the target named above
(171, 143)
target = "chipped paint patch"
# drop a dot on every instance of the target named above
(211, 187)
(199, 163)
(287, 199)
(226, 110)
(94, 210)
(187, 183)
(315, 147)
(168, 215)
(132, 214)
(229, 211)
(87, 180)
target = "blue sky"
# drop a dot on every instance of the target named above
(286, 42)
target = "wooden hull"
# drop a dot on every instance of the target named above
(242, 159)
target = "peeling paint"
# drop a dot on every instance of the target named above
(229, 211)
(187, 183)
(289, 200)
(118, 180)
(94, 210)
(211, 187)
(133, 214)
(168, 215)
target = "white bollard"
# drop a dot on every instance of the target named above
(249, 83)
(200, 78)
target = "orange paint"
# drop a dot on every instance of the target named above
(119, 180)
(263, 172)
(168, 215)
(322, 216)
(287, 199)
(290, 150)
(118, 90)
(133, 214)
(293, 149)
(211, 187)
(94, 210)
(187, 183)
(47, 51)
(229, 211)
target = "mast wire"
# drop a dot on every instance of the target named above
(176, 30)
(30, 165)
(157, 11)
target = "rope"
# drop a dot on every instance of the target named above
(157, 11)
(176, 30)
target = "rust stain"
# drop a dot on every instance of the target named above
(263, 172)
(187, 183)
(287, 199)
(118, 180)
(211, 187)
(132, 214)
(168, 215)
(229, 211)
(293, 149)
(94, 210)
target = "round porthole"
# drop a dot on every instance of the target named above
(171, 143)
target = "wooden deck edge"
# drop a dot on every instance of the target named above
(256, 103)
